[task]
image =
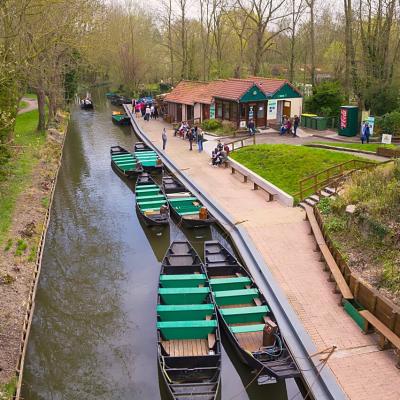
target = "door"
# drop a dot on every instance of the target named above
(260, 113)
(286, 108)
(206, 111)
(179, 112)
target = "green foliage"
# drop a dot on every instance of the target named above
(381, 100)
(45, 202)
(228, 127)
(284, 165)
(211, 124)
(336, 224)
(7, 390)
(19, 167)
(324, 206)
(389, 123)
(8, 245)
(390, 276)
(32, 254)
(21, 247)
(326, 99)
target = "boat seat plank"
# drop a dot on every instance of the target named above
(188, 213)
(186, 329)
(241, 296)
(182, 280)
(145, 203)
(153, 196)
(229, 283)
(247, 328)
(183, 199)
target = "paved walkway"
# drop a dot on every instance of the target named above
(32, 105)
(281, 235)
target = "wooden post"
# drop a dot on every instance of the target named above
(254, 139)
(233, 146)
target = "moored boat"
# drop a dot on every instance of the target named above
(124, 162)
(172, 185)
(121, 119)
(120, 100)
(246, 317)
(186, 208)
(149, 159)
(151, 203)
(189, 349)
(141, 146)
(87, 104)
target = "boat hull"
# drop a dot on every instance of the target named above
(150, 221)
(190, 223)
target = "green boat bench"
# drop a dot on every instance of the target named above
(192, 295)
(230, 297)
(187, 329)
(230, 283)
(182, 280)
(184, 312)
(247, 328)
(244, 314)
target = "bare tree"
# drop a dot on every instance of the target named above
(311, 6)
(297, 8)
(262, 14)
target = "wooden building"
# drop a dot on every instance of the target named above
(259, 99)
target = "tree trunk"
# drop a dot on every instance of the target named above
(41, 99)
(348, 27)
(312, 40)
(258, 55)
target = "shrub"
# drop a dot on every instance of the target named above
(326, 99)
(228, 126)
(211, 124)
(389, 123)
(381, 99)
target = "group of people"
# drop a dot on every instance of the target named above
(220, 154)
(289, 125)
(146, 110)
(365, 133)
(192, 134)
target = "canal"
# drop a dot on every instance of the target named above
(93, 334)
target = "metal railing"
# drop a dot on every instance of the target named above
(242, 141)
(331, 176)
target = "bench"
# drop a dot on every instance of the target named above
(244, 314)
(187, 329)
(192, 295)
(182, 199)
(184, 312)
(247, 328)
(230, 297)
(386, 336)
(182, 280)
(270, 193)
(229, 283)
(335, 275)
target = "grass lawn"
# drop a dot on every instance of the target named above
(30, 96)
(22, 105)
(358, 146)
(284, 165)
(20, 166)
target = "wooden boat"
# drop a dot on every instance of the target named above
(120, 100)
(189, 349)
(124, 162)
(140, 146)
(172, 185)
(187, 209)
(151, 203)
(148, 158)
(121, 119)
(246, 317)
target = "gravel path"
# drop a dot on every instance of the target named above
(32, 105)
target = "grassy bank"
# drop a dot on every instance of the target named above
(284, 165)
(369, 237)
(25, 156)
(358, 146)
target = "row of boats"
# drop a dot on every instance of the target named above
(197, 301)
(155, 203)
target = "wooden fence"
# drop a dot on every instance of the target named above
(369, 298)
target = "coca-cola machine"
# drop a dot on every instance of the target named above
(348, 121)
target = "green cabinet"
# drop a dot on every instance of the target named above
(321, 123)
(348, 121)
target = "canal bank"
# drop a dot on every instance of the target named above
(94, 330)
(280, 235)
(35, 163)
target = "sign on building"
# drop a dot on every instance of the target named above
(212, 111)
(272, 109)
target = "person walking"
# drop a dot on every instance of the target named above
(366, 133)
(164, 138)
(296, 123)
(190, 137)
(252, 128)
(200, 138)
(152, 112)
(147, 113)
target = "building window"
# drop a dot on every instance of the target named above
(261, 111)
(219, 110)
(234, 108)
(226, 110)
(242, 111)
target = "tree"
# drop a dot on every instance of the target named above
(311, 6)
(326, 99)
(262, 13)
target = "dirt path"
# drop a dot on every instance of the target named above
(32, 105)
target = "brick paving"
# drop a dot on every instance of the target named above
(282, 236)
